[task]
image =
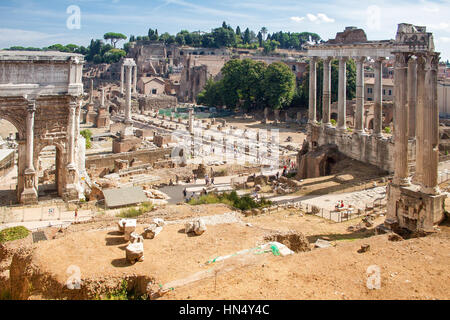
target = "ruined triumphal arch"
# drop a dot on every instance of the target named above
(41, 95)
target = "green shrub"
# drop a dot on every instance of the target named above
(123, 294)
(14, 233)
(387, 129)
(232, 199)
(87, 134)
(136, 212)
(5, 294)
(333, 122)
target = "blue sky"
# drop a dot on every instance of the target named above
(43, 22)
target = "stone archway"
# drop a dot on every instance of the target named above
(326, 165)
(41, 95)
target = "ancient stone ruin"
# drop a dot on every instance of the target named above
(41, 95)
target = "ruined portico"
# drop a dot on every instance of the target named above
(415, 143)
(417, 205)
(128, 70)
(374, 148)
(41, 95)
(127, 141)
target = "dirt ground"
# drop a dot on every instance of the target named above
(410, 269)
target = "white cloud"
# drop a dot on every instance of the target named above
(440, 26)
(320, 17)
(24, 35)
(324, 18)
(297, 19)
(311, 17)
(444, 39)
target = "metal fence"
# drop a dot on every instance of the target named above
(376, 206)
(51, 211)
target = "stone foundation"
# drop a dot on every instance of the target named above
(409, 208)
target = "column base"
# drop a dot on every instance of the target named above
(29, 196)
(341, 129)
(413, 210)
(402, 182)
(361, 132)
(430, 191)
(71, 193)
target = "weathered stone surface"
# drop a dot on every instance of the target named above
(134, 252)
(198, 227)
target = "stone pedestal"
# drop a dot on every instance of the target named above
(102, 119)
(127, 141)
(408, 208)
(29, 194)
(90, 115)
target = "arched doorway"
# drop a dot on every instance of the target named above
(326, 165)
(8, 162)
(50, 172)
(334, 116)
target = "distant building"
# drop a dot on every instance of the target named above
(388, 89)
(443, 88)
(151, 85)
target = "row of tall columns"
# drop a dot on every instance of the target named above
(128, 71)
(342, 94)
(419, 76)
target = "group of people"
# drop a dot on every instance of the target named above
(339, 204)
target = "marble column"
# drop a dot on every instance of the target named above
(326, 100)
(134, 79)
(359, 115)
(312, 89)
(431, 127)
(91, 92)
(71, 134)
(420, 106)
(191, 121)
(30, 134)
(128, 96)
(412, 93)
(378, 98)
(103, 98)
(401, 119)
(29, 194)
(121, 78)
(342, 95)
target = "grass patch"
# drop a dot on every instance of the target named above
(5, 294)
(123, 294)
(136, 211)
(232, 199)
(14, 233)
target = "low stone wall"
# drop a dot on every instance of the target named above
(157, 102)
(365, 148)
(146, 156)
